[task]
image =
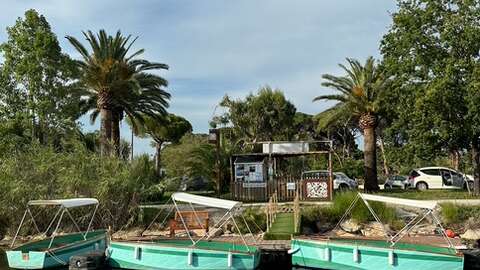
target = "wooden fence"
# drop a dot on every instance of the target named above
(286, 188)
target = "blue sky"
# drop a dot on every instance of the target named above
(218, 47)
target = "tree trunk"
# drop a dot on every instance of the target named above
(476, 165)
(370, 159)
(105, 131)
(116, 133)
(131, 147)
(455, 159)
(382, 149)
(158, 157)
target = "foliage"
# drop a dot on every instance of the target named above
(359, 97)
(118, 83)
(40, 172)
(193, 157)
(360, 213)
(453, 214)
(255, 218)
(432, 109)
(266, 116)
(36, 79)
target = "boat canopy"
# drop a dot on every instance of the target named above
(398, 201)
(206, 201)
(67, 203)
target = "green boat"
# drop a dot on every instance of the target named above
(346, 254)
(191, 253)
(349, 254)
(180, 254)
(56, 249)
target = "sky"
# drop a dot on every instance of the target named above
(219, 47)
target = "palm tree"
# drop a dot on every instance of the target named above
(117, 84)
(359, 95)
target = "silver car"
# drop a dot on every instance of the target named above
(340, 180)
(397, 181)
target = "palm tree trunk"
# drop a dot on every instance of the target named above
(116, 133)
(105, 131)
(370, 159)
(131, 147)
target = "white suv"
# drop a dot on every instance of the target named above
(340, 180)
(438, 178)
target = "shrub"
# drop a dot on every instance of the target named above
(41, 172)
(360, 213)
(456, 214)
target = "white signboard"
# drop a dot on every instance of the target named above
(254, 185)
(292, 147)
(290, 186)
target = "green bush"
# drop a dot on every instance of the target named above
(456, 214)
(255, 218)
(41, 172)
(360, 213)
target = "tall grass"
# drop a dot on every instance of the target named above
(360, 213)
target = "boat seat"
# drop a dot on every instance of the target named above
(193, 220)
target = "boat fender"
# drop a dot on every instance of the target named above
(326, 255)
(190, 257)
(391, 257)
(293, 251)
(138, 252)
(230, 260)
(356, 254)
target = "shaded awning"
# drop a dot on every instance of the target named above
(206, 201)
(398, 201)
(68, 203)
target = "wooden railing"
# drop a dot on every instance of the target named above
(271, 210)
(296, 214)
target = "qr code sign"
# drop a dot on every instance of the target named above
(317, 190)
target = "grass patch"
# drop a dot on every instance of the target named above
(428, 194)
(282, 228)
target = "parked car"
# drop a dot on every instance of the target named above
(396, 181)
(340, 180)
(438, 178)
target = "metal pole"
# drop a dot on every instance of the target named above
(33, 220)
(74, 223)
(91, 220)
(195, 213)
(239, 232)
(19, 227)
(56, 228)
(51, 222)
(183, 221)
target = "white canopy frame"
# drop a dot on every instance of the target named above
(427, 208)
(63, 206)
(231, 206)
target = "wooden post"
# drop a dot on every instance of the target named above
(330, 172)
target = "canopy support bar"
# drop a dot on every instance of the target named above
(53, 220)
(183, 221)
(56, 228)
(91, 221)
(19, 227)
